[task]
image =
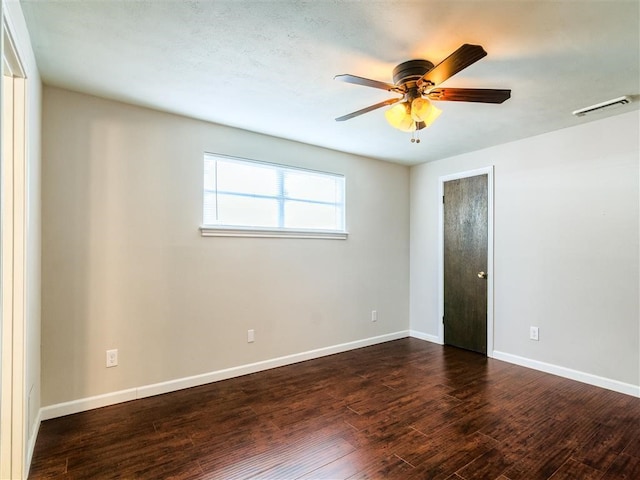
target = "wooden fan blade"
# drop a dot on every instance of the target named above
(458, 60)
(391, 101)
(367, 82)
(480, 95)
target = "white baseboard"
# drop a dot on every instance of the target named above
(602, 382)
(579, 376)
(425, 336)
(90, 403)
(31, 445)
(84, 404)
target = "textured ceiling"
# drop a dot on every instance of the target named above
(268, 66)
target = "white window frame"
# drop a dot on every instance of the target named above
(273, 232)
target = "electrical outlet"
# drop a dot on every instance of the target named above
(251, 336)
(112, 358)
(374, 315)
(533, 333)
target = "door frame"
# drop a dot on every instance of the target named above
(13, 174)
(488, 171)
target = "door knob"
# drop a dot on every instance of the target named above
(482, 275)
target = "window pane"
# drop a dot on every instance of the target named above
(210, 208)
(209, 175)
(309, 186)
(246, 193)
(311, 215)
(247, 211)
(252, 179)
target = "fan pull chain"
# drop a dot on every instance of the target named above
(415, 136)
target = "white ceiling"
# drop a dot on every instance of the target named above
(268, 66)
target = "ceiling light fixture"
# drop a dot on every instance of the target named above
(410, 116)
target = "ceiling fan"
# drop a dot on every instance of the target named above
(417, 81)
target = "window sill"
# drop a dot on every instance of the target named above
(210, 231)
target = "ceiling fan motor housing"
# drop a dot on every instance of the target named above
(410, 70)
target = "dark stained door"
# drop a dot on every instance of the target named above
(465, 262)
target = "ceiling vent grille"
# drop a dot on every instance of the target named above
(601, 106)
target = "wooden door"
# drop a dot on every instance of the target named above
(465, 262)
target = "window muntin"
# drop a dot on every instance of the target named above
(246, 194)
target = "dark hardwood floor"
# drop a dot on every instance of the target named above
(406, 409)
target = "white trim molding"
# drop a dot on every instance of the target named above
(13, 252)
(112, 398)
(488, 171)
(425, 336)
(31, 446)
(602, 382)
(213, 231)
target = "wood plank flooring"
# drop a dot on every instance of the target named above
(406, 409)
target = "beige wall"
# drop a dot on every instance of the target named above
(124, 265)
(566, 247)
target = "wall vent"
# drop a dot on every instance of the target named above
(601, 106)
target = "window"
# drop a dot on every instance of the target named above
(250, 198)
